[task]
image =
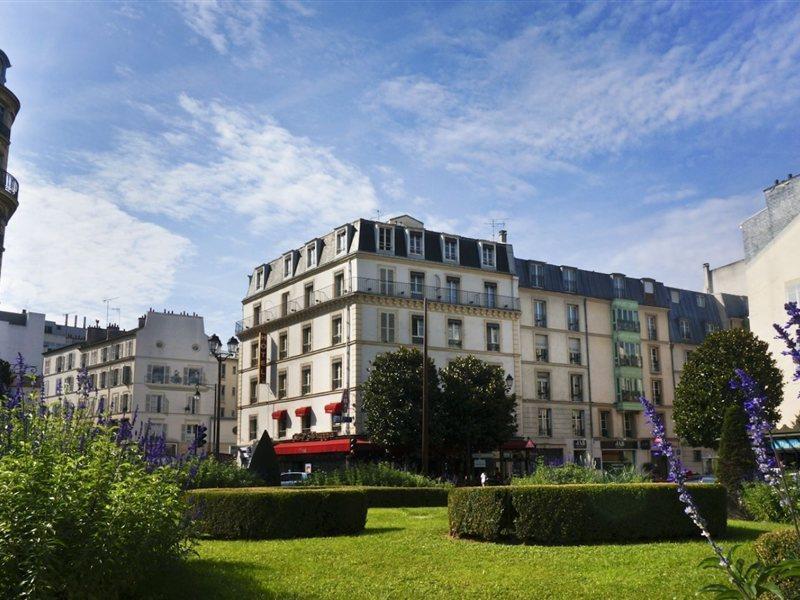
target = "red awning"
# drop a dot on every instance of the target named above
(321, 447)
(278, 414)
(518, 445)
(303, 411)
(334, 408)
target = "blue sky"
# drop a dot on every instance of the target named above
(163, 150)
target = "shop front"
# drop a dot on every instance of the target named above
(323, 451)
(618, 454)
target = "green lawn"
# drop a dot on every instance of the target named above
(407, 553)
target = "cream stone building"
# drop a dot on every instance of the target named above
(162, 372)
(578, 347)
(769, 274)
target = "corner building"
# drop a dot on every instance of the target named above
(580, 346)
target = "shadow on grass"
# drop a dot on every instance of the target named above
(201, 578)
(737, 533)
(378, 530)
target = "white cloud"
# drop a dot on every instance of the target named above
(215, 160)
(664, 195)
(68, 249)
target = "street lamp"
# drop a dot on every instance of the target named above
(509, 382)
(215, 347)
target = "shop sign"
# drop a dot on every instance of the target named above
(579, 444)
(479, 462)
(619, 444)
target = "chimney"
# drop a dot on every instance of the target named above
(84, 322)
(75, 321)
(142, 320)
(709, 278)
(66, 320)
(503, 236)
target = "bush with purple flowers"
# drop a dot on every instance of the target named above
(88, 507)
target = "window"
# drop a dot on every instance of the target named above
(687, 356)
(576, 387)
(701, 301)
(387, 327)
(649, 287)
(628, 354)
(493, 337)
(338, 285)
(253, 391)
(619, 286)
(570, 280)
(490, 294)
(282, 425)
(192, 405)
(104, 354)
(103, 379)
(453, 286)
(68, 381)
(629, 389)
(254, 354)
(189, 432)
(83, 360)
(256, 314)
(115, 377)
(545, 422)
(540, 343)
(629, 420)
(657, 393)
(336, 375)
(652, 329)
(454, 333)
(308, 295)
(311, 256)
(93, 357)
(655, 360)
(573, 317)
(117, 351)
(305, 380)
(711, 327)
(306, 339)
(675, 296)
(686, 330)
(46, 366)
(155, 374)
(537, 275)
(341, 241)
(193, 375)
(451, 249)
(125, 403)
(252, 427)
(283, 345)
(417, 329)
(415, 243)
(287, 266)
(578, 423)
(284, 304)
(697, 455)
(385, 237)
(336, 330)
(417, 284)
(543, 386)
(305, 422)
(156, 403)
(282, 384)
(258, 279)
(487, 255)
(540, 313)
(605, 423)
(386, 281)
(575, 351)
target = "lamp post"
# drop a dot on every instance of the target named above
(215, 347)
(509, 382)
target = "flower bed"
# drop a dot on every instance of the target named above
(270, 513)
(579, 514)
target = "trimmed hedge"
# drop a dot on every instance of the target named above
(582, 513)
(270, 513)
(397, 497)
(776, 546)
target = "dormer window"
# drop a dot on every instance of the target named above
(451, 249)
(570, 279)
(487, 255)
(537, 275)
(415, 247)
(701, 301)
(385, 238)
(649, 288)
(619, 286)
(287, 265)
(311, 256)
(259, 275)
(341, 241)
(675, 296)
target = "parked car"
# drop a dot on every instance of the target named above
(708, 479)
(293, 478)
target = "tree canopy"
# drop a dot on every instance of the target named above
(704, 391)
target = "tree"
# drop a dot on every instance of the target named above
(265, 462)
(476, 413)
(391, 399)
(704, 390)
(796, 423)
(736, 461)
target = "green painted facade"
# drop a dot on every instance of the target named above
(625, 328)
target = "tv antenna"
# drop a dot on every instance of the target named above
(496, 225)
(109, 308)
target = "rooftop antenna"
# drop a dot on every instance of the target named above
(108, 308)
(496, 225)
(378, 215)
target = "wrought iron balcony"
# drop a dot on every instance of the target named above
(10, 184)
(378, 287)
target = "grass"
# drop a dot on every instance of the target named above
(406, 553)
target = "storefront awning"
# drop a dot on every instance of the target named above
(320, 447)
(334, 408)
(303, 411)
(278, 414)
(787, 443)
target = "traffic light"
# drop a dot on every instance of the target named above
(201, 440)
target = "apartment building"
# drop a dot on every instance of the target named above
(162, 371)
(9, 187)
(315, 318)
(580, 346)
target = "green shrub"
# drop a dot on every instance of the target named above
(582, 513)
(264, 463)
(762, 502)
(269, 513)
(392, 497)
(212, 473)
(572, 473)
(776, 546)
(371, 474)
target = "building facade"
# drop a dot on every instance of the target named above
(9, 188)
(162, 372)
(580, 346)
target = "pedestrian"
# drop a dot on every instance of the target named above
(483, 478)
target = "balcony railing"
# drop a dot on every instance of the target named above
(628, 361)
(624, 325)
(10, 185)
(655, 366)
(628, 396)
(574, 358)
(541, 355)
(377, 287)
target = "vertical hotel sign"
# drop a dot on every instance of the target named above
(262, 357)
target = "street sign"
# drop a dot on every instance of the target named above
(346, 419)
